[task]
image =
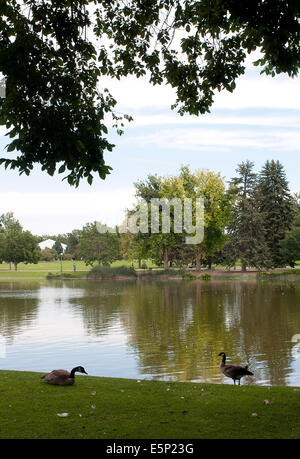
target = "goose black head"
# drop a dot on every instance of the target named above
(221, 354)
(80, 370)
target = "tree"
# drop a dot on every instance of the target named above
(277, 207)
(156, 245)
(101, 247)
(246, 229)
(170, 246)
(8, 222)
(58, 247)
(134, 247)
(290, 246)
(48, 254)
(56, 115)
(72, 240)
(17, 246)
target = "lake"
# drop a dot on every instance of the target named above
(166, 330)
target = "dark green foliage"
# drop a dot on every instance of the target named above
(246, 229)
(72, 242)
(48, 254)
(205, 277)
(56, 115)
(107, 271)
(290, 246)
(52, 106)
(58, 247)
(276, 205)
(17, 245)
(197, 47)
(98, 247)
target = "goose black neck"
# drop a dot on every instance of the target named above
(224, 359)
(72, 374)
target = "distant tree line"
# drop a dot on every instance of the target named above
(253, 220)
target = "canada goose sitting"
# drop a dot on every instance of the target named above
(234, 372)
(63, 377)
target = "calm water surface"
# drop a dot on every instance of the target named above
(155, 330)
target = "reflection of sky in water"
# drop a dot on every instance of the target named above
(294, 379)
(57, 338)
(100, 328)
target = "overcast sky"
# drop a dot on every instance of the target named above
(259, 121)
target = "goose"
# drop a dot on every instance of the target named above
(63, 377)
(234, 372)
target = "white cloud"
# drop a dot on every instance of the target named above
(53, 212)
(289, 120)
(217, 139)
(261, 91)
(252, 91)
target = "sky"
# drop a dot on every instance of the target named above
(259, 121)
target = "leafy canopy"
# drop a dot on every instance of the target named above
(56, 115)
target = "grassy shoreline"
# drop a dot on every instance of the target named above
(158, 274)
(116, 408)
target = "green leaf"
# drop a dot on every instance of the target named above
(62, 169)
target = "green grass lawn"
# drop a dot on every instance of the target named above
(122, 409)
(46, 266)
(42, 268)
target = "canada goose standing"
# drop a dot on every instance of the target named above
(63, 377)
(234, 372)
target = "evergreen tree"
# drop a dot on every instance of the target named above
(277, 208)
(291, 244)
(246, 230)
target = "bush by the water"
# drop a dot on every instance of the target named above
(269, 275)
(107, 271)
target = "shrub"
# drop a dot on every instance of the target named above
(107, 271)
(205, 277)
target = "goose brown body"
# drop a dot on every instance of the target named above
(235, 372)
(63, 377)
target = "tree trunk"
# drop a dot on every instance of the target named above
(244, 266)
(198, 262)
(16, 266)
(209, 262)
(244, 263)
(140, 263)
(166, 258)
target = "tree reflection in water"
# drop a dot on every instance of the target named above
(174, 330)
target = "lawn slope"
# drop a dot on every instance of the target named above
(121, 409)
